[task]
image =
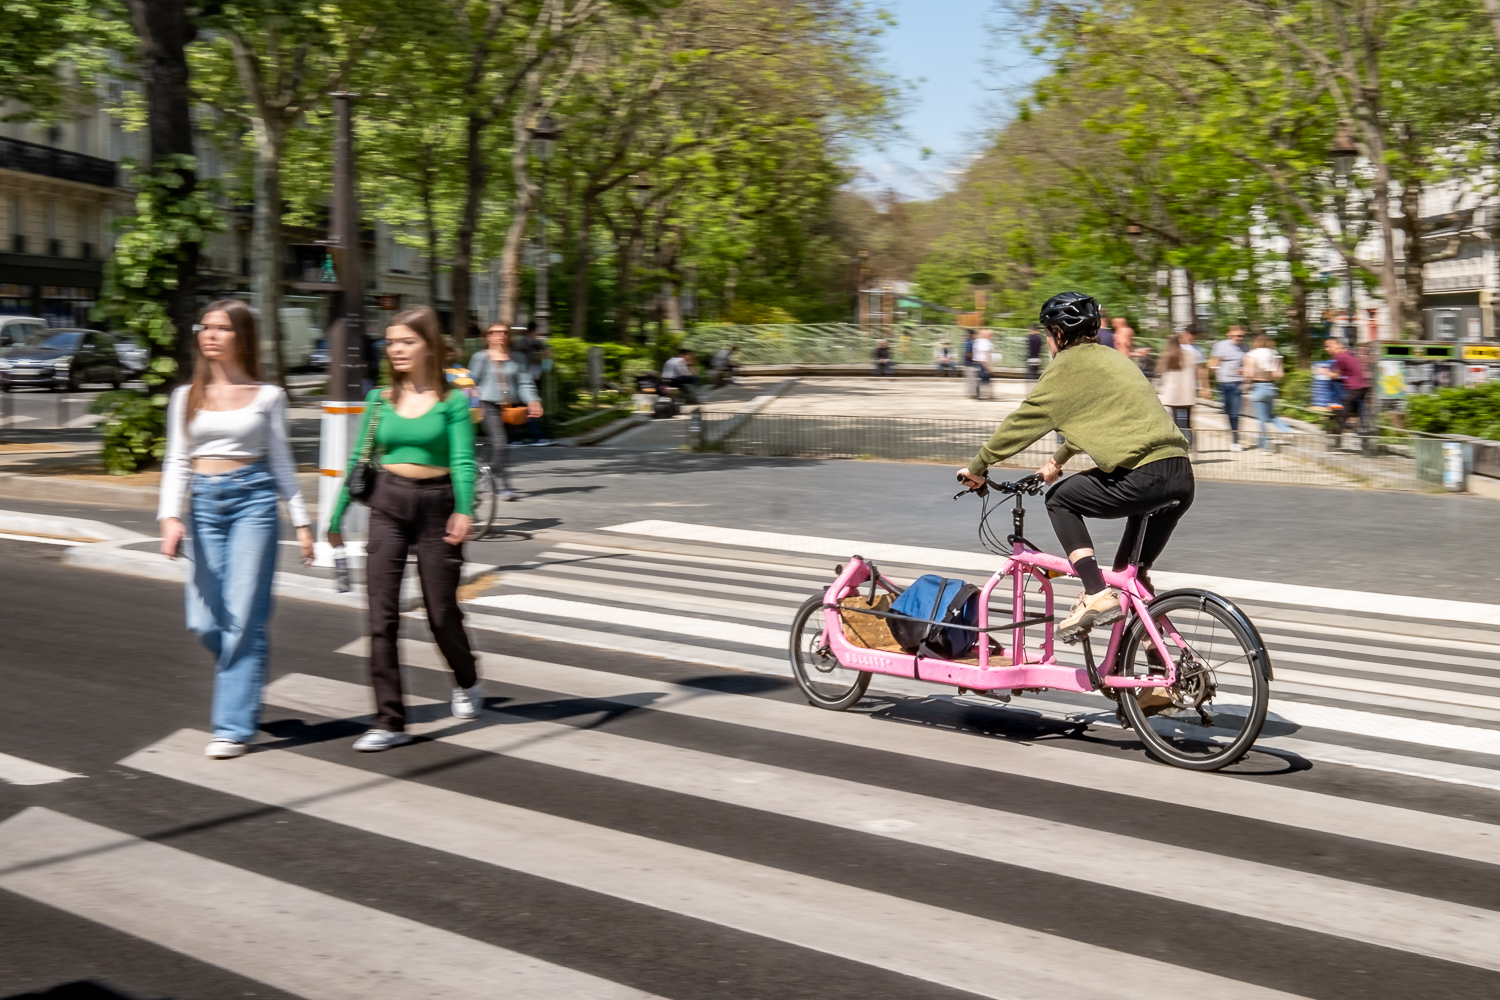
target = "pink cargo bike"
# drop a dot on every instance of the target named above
(1186, 669)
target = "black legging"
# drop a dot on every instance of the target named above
(494, 429)
(1128, 493)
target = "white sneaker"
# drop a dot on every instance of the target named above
(221, 748)
(1235, 446)
(381, 739)
(468, 702)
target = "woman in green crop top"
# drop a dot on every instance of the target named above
(424, 445)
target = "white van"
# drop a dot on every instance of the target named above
(14, 329)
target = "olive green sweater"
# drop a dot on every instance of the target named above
(1103, 406)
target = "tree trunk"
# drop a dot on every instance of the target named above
(583, 266)
(1411, 254)
(515, 236)
(625, 254)
(1297, 310)
(476, 175)
(266, 242)
(1380, 203)
(164, 30)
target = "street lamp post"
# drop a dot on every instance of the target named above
(1343, 154)
(342, 405)
(543, 137)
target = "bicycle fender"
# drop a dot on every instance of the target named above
(1209, 597)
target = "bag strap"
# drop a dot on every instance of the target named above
(369, 441)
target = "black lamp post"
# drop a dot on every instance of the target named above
(1343, 154)
(543, 138)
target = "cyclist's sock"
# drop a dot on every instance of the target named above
(1089, 572)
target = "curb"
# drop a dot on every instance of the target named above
(22, 487)
(115, 557)
(745, 412)
(56, 526)
(606, 432)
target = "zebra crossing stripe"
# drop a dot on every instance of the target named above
(20, 771)
(1439, 929)
(984, 957)
(1293, 807)
(274, 932)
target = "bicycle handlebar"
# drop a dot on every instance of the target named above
(1031, 486)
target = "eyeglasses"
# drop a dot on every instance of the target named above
(200, 327)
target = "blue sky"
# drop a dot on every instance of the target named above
(958, 69)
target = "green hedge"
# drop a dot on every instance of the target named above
(1473, 411)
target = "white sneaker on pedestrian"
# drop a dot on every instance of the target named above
(468, 702)
(1235, 446)
(220, 748)
(507, 496)
(381, 739)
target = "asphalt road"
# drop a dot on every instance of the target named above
(622, 859)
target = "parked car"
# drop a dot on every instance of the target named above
(15, 329)
(61, 359)
(132, 353)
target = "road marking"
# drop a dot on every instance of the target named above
(913, 555)
(1450, 736)
(705, 576)
(43, 540)
(701, 628)
(20, 771)
(1293, 807)
(1451, 932)
(667, 600)
(1280, 656)
(705, 586)
(271, 931)
(699, 560)
(1492, 649)
(909, 938)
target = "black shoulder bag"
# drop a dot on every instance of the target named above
(362, 477)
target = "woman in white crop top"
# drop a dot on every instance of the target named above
(227, 461)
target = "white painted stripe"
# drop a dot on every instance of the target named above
(659, 599)
(1280, 656)
(713, 574)
(699, 560)
(1360, 693)
(20, 771)
(1328, 753)
(680, 651)
(703, 586)
(1447, 931)
(914, 555)
(280, 934)
(11, 536)
(1292, 807)
(1380, 647)
(1394, 634)
(914, 939)
(702, 628)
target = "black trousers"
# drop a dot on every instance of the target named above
(408, 514)
(1131, 493)
(499, 457)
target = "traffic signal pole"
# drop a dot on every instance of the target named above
(343, 405)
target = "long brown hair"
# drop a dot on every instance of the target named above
(424, 320)
(246, 351)
(1172, 356)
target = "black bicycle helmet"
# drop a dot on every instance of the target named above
(1070, 317)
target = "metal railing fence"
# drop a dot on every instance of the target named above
(1302, 458)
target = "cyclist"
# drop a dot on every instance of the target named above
(1102, 405)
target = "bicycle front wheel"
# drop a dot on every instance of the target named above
(486, 500)
(818, 673)
(1214, 712)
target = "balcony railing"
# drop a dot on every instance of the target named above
(49, 162)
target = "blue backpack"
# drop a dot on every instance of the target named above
(932, 598)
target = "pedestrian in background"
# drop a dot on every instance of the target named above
(984, 359)
(942, 358)
(1179, 384)
(1263, 368)
(423, 452)
(883, 365)
(678, 373)
(1034, 355)
(1354, 383)
(503, 383)
(1124, 338)
(1188, 339)
(1106, 334)
(229, 457)
(1225, 360)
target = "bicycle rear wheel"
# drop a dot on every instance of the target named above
(486, 500)
(818, 673)
(1213, 715)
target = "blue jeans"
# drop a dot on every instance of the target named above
(1231, 393)
(232, 518)
(1263, 397)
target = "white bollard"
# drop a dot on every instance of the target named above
(340, 424)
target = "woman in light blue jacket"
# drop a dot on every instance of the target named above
(503, 381)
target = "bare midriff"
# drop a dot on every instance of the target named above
(218, 466)
(410, 470)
